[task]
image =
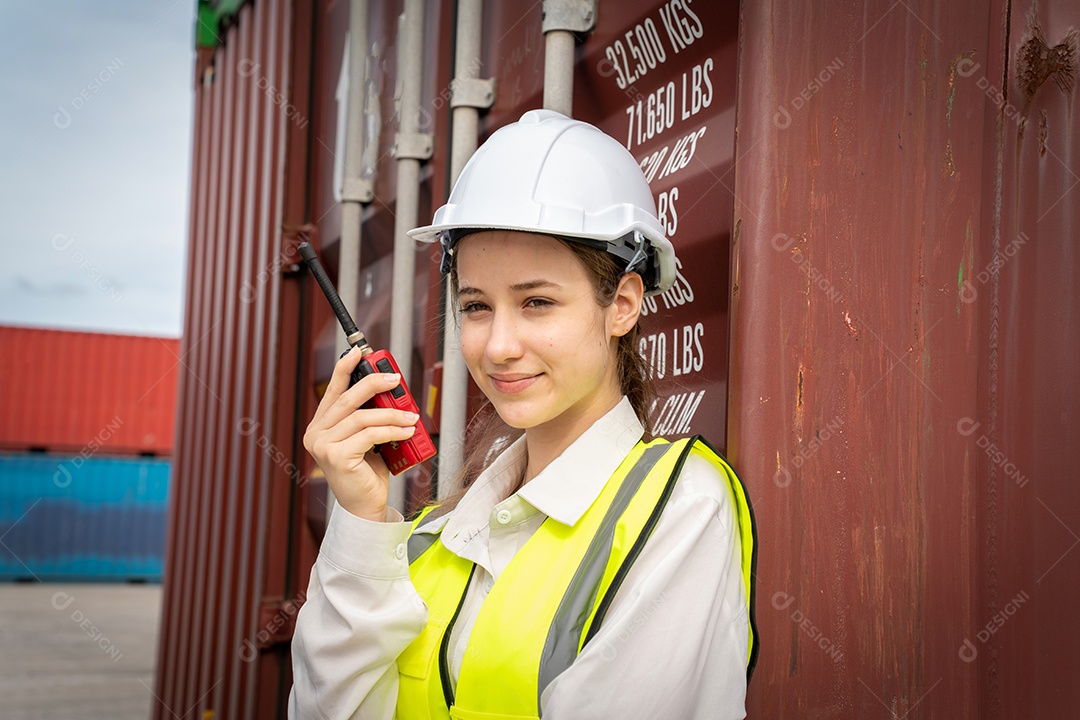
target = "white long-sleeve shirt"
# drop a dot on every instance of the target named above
(673, 644)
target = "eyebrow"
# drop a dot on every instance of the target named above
(519, 287)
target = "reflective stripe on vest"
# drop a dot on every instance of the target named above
(550, 600)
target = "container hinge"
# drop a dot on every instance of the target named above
(416, 146)
(292, 235)
(574, 15)
(472, 92)
(277, 619)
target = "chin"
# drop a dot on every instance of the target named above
(519, 418)
(520, 414)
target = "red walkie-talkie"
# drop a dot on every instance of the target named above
(398, 456)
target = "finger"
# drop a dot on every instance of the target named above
(339, 381)
(361, 443)
(369, 417)
(357, 395)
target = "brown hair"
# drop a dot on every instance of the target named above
(487, 433)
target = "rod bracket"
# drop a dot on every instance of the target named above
(357, 190)
(472, 92)
(577, 16)
(414, 146)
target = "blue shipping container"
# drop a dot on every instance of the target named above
(74, 518)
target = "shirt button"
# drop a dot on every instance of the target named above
(503, 516)
(400, 551)
(488, 585)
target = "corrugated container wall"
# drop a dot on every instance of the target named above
(83, 392)
(895, 358)
(905, 343)
(227, 554)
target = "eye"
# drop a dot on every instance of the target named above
(473, 307)
(538, 302)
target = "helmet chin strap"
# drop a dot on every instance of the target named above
(447, 253)
(641, 253)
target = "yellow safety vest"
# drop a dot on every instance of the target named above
(552, 597)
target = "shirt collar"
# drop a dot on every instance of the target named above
(563, 490)
(470, 517)
(570, 484)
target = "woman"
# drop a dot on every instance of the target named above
(585, 573)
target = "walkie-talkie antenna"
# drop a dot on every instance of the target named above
(354, 336)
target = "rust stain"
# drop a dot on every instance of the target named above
(798, 400)
(948, 167)
(1037, 62)
(850, 326)
(735, 258)
(967, 257)
(952, 83)
(1044, 132)
(799, 407)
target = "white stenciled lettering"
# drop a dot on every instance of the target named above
(689, 355)
(677, 413)
(700, 91)
(683, 152)
(648, 116)
(653, 348)
(680, 293)
(671, 158)
(633, 55)
(653, 162)
(665, 211)
(682, 24)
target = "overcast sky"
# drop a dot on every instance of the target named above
(95, 146)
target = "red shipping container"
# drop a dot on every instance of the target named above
(85, 392)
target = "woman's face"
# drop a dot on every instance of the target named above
(533, 335)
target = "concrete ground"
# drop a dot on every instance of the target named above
(78, 651)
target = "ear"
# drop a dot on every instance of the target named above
(626, 306)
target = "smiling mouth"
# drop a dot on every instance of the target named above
(512, 384)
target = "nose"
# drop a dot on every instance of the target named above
(503, 341)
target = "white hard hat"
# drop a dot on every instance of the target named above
(550, 174)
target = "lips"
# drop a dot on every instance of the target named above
(511, 384)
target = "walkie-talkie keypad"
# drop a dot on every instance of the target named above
(360, 372)
(385, 366)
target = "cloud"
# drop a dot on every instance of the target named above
(95, 144)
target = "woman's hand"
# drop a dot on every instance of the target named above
(342, 434)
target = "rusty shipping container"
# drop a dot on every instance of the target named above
(874, 208)
(906, 260)
(84, 392)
